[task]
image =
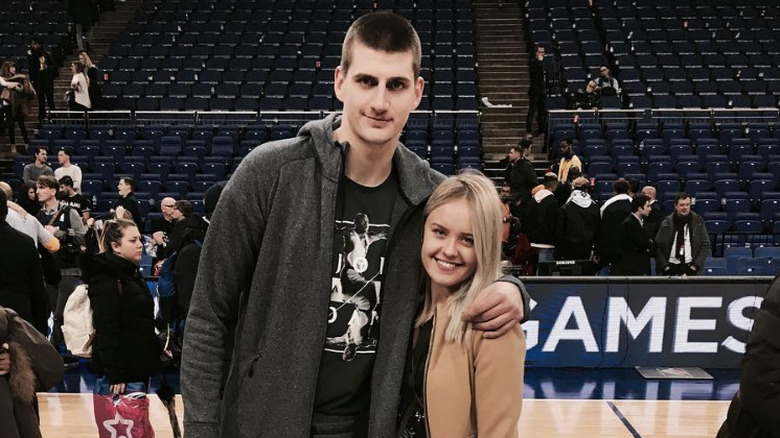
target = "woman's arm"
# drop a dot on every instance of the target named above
(106, 315)
(498, 383)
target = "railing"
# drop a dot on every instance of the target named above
(461, 118)
(713, 116)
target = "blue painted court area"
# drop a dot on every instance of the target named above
(544, 383)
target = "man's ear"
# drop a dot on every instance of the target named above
(339, 76)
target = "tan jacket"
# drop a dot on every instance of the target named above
(476, 388)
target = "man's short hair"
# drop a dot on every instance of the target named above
(567, 142)
(48, 182)
(581, 182)
(638, 202)
(3, 206)
(621, 186)
(634, 184)
(680, 196)
(66, 181)
(127, 180)
(41, 148)
(69, 151)
(385, 31)
(185, 207)
(524, 143)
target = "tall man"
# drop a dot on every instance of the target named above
(613, 212)
(42, 74)
(682, 241)
(520, 173)
(162, 227)
(277, 285)
(653, 221)
(635, 244)
(540, 79)
(69, 197)
(65, 224)
(127, 200)
(67, 168)
(37, 168)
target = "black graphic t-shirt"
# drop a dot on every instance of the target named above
(362, 229)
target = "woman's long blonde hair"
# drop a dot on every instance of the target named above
(485, 208)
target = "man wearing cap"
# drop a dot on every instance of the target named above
(578, 224)
(520, 173)
(542, 218)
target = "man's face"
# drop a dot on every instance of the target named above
(644, 211)
(68, 190)
(649, 192)
(683, 207)
(35, 46)
(378, 91)
(166, 206)
(591, 87)
(123, 188)
(176, 214)
(514, 155)
(62, 158)
(41, 156)
(604, 72)
(45, 194)
(565, 148)
(540, 52)
(506, 193)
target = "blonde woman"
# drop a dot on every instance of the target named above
(80, 87)
(91, 71)
(457, 383)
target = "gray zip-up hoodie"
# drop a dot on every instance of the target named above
(257, 322)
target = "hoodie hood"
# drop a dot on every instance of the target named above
(614, 199)
(416, 178)
(582, 199)
(541, 194)
(107, 263)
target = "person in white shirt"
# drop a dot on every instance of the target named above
(68, 168)
(80, 86)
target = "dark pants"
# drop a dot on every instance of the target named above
(680, 269)
(9, 121)
(70, 279)
(537, 106)
(45, 90)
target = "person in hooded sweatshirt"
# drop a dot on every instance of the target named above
(543, 218)
(614, 211)
(578, 224)
(125, 352)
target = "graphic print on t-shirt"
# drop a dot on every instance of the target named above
(353, 314)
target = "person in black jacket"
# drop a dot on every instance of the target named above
(125, 349)
(578, 224)
(540, 73)
(542, 218)
(636, 244)
(42, 74)
(614, 211)
(21, 274)
(520, 173)
(753, 411)
(127, 200)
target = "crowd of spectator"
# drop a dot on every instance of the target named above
(559, 220)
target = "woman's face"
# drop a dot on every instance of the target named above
(82, 59)
(448, 252)
(130, 247)
(31, 193)
(73, 68)
(12, 69)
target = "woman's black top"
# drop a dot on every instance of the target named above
(411, 410)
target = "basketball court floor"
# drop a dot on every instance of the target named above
(582, 402)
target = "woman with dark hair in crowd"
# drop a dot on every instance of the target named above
(92, 76)
(28, 199)
(125, 351)
(79, 87)
(17, 93)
